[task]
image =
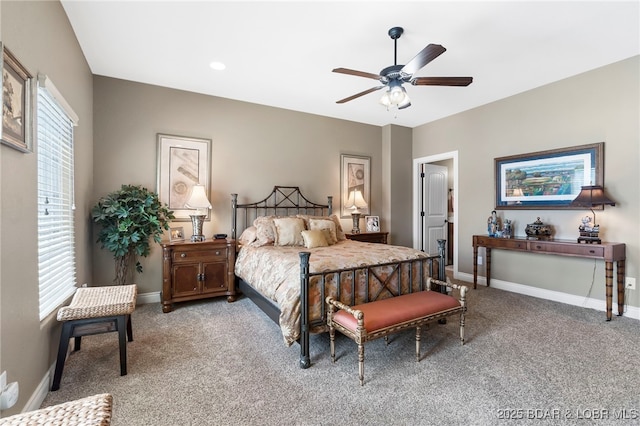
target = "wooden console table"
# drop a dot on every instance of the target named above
(609, 252)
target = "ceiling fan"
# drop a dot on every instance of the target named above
(395, 75)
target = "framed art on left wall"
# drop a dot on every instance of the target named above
(17, 103)
(182, 163)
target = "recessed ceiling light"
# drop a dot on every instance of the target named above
(218, 66)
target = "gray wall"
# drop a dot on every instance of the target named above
(253, 148)
(39, 35)
(600, 105)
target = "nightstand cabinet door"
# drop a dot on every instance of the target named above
(197, 270)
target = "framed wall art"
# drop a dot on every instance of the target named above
(355, 177)
(547, 179)
(17, 103)
(182, 163)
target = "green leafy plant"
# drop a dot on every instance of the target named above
(129, 218)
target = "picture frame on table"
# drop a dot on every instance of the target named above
(355, 175)
(176, 234)
(372, 223)
(549, 179)
(182, 163)
(17, 103)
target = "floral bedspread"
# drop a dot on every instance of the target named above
(274, 271)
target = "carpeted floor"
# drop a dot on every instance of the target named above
(215, 363)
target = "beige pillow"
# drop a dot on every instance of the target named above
(328, 237)
(248, 236)
(289, 231)
(339, 232)
(325, 224)
(265, 231)
(314, 238)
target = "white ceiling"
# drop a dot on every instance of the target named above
(281, 53)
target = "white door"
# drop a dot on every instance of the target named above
(434, 206)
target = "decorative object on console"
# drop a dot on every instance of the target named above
(493, 224)
(538, 230)
(200, 203)
(373, 223)
(355, 202)
(176, 234)
(591, 196)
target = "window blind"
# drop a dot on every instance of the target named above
(56, 244)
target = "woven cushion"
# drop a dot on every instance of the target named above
(93, 410)
(397, 310)
(95, 302)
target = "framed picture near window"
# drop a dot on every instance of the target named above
(17, 103)
(548, 179)
(373, 223)
(182, 163)
(355, 184)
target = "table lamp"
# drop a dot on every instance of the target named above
(355, 202)
(200, 203)
(591, 196)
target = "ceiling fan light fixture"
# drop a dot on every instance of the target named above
(396, 96)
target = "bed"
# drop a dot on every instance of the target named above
(292, 254)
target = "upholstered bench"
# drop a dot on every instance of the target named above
(95, 310)
(380, 318)
(90, 411)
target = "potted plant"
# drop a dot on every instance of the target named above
(128, 219)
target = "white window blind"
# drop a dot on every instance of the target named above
(56, 246)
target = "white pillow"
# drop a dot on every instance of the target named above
(289, 231)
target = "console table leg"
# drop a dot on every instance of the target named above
(488, 268)
(620, 269)
(608, 267)
(475, 266)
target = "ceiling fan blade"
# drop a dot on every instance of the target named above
(358, 73)
(427, 55)
(357, 95)
(442, 81)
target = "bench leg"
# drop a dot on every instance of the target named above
(122, 338)
(361, 363)
(462, 328)
(65, 335)
(129, 329)
(418, 333)
(332, 339)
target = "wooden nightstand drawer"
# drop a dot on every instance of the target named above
(369, 237)
(200, 255)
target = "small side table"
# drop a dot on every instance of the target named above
(368, 237)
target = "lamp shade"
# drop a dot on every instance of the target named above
(395, 96)
(198, 199)
(356, 200)
(592, 196)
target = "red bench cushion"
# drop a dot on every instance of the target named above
(397, 310)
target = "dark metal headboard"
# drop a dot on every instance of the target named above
(283, 201)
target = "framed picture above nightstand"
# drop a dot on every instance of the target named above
(368, 237)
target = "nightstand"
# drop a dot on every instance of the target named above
(197, 270)
(368, 237)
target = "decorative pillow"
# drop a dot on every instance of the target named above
(328, 236)
(248, 236)
(314, 238)
(340, 236)
(265, 231)
(325, 224)
(289, 231)
(339, 232)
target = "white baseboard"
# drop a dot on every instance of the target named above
(144, 298)
(556, 296)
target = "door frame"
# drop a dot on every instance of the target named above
(451, 155)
